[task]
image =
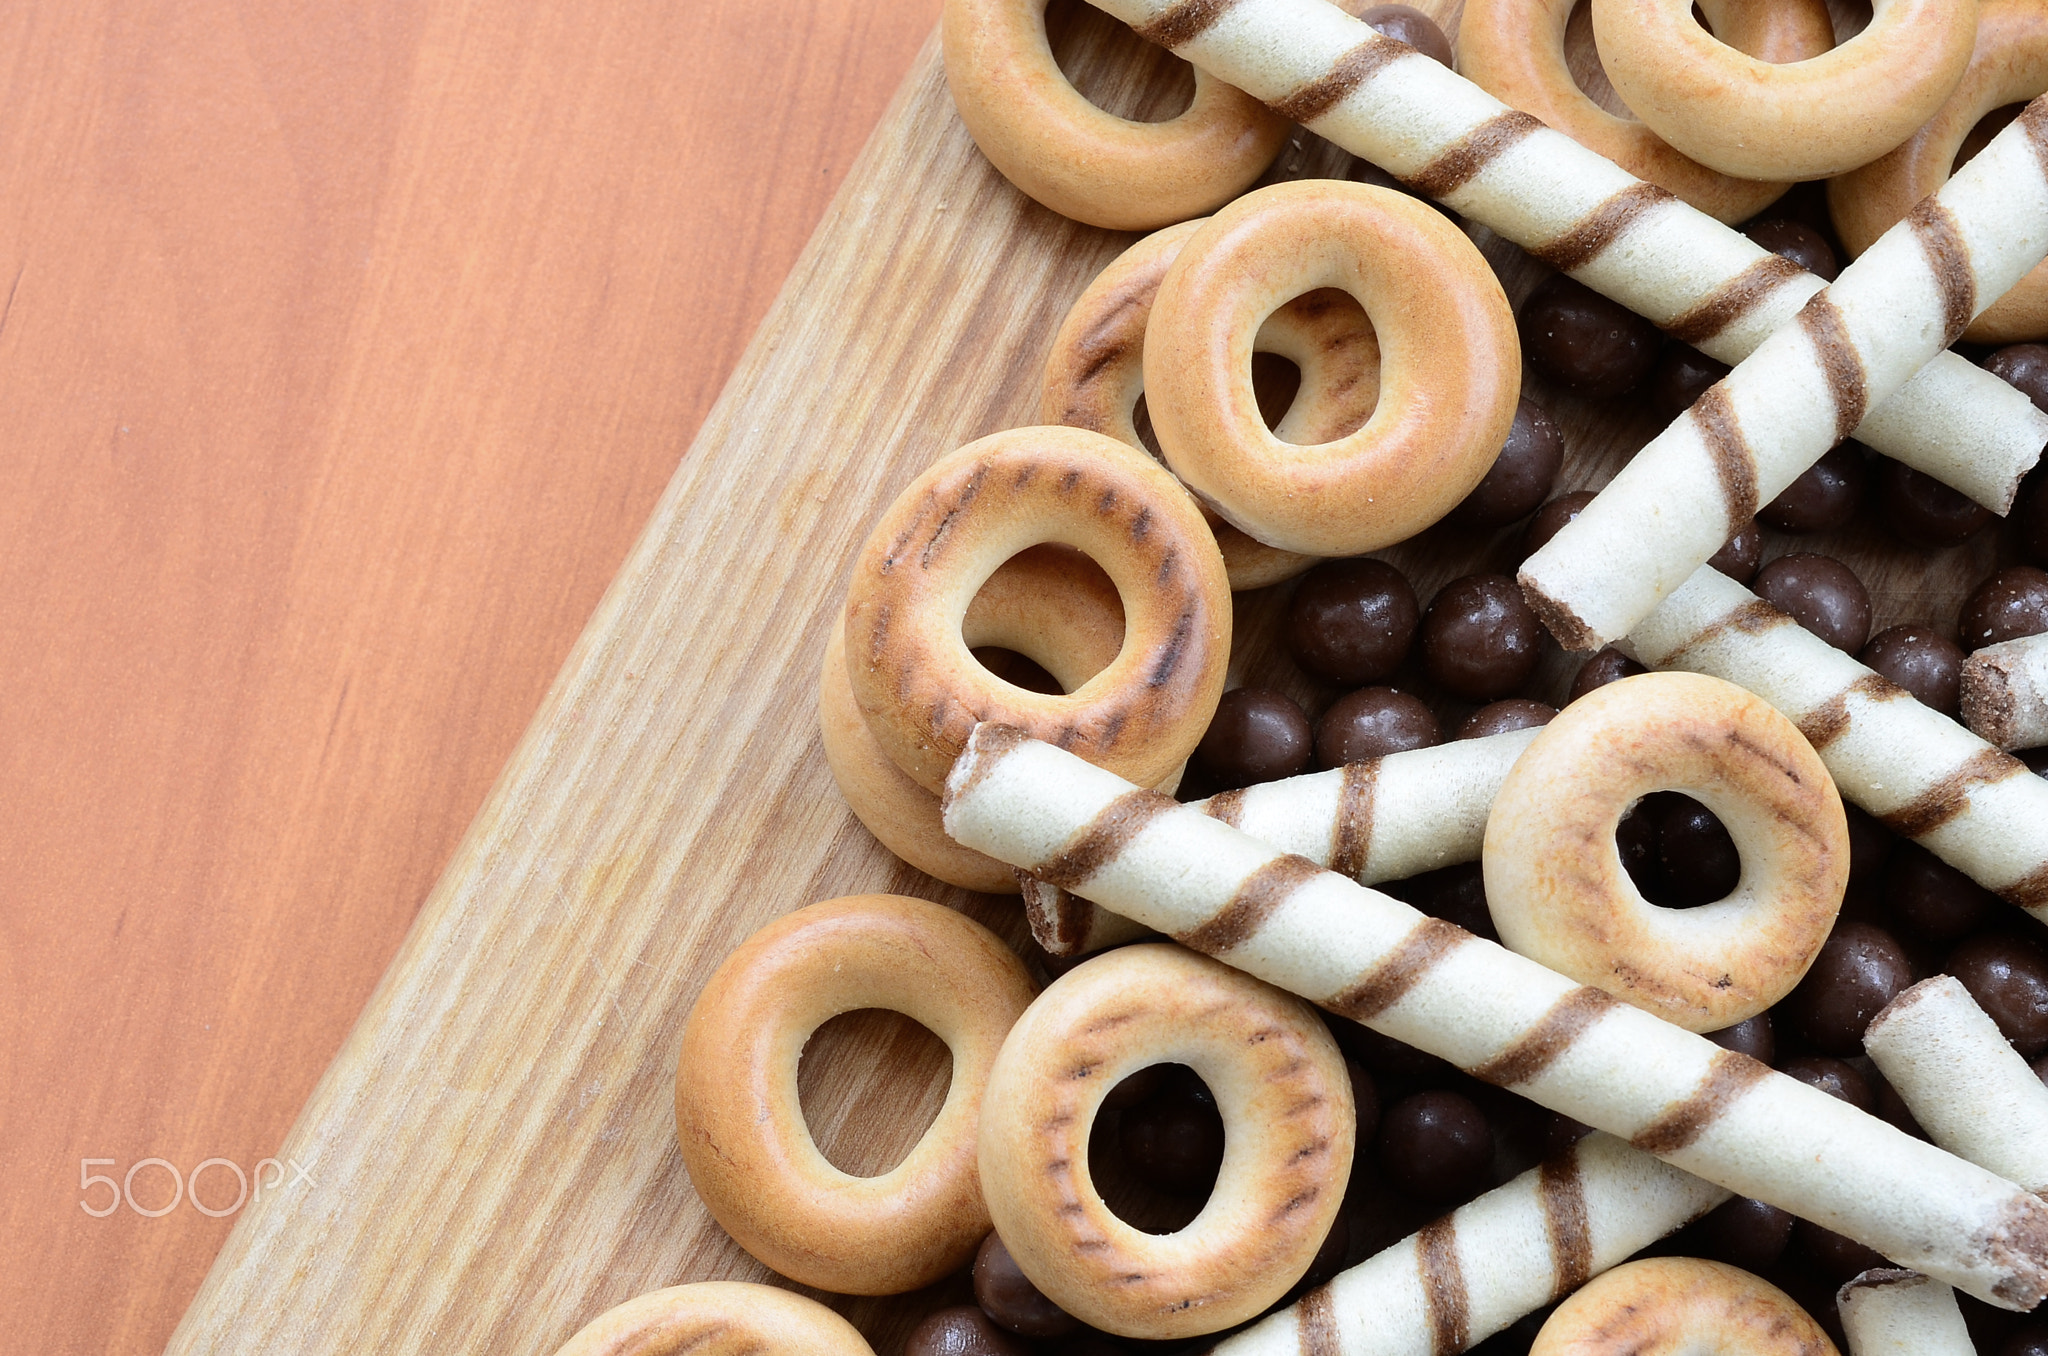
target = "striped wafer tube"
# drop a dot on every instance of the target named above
(1962, 1080)
(1502, 1017)
(1921, 774)
(1577, 211)
(1803, 390)
(2005, 692)
(1902, 1313)
(1505, 1255)
(1384, 818)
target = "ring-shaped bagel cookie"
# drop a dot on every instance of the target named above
(1514, 50)
(1288, 1126)
(1680, 1306)
(2008, 66)
(1450, 366)
(939, 542)
(741, 1128)
(1800, 120)
(1079, 160)
(1095, 376)
(1049, 604)
(1559, 893)
(718, 1318)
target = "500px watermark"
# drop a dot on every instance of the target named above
(184, 1186)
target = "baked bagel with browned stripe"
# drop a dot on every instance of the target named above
(938, 543)
(718, 1318)
(1676, 1306)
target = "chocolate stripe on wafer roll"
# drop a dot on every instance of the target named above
(1505, 1255)
(1962, 1080)
(1887, 1312)
(2005, 692)
(1922, 774)
(1469, 1001)
(1698, 483)
(1382, 819)
(1445, 136)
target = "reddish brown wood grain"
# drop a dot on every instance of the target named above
(344, 349)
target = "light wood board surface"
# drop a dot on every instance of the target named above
(494, 1144)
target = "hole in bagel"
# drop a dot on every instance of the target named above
(1016, 669)
(1677, 851)
(1155, 1148)
(1988, 126)
(1047, 620)
(864, 1124)
(1583, 59)
(1275, 382)
(1141, 419)
(1850, 17)
(1115, 69)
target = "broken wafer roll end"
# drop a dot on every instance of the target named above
(1887, 1311)
(2005, 692)
(1565, 626)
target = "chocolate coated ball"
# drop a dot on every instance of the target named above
(1551, 518)
(1256, 735)
(1524, 472)
(1174, 1140)
(1835, 1077)
(1923, 512)
(2008, 605)
(1929, 898)
(1403, 23)
(1436, 1147)
(1860, 969)
(1743, 1233)
(1740, 554)
(1352, 621)
(1480, 640)
(1921, 660)
(1800, 243)
(1752, 1036)
(1683, 375)
(1365, 1100)
(1372, 723)
(1009, 1298)
(1635, 838)
(1821, 594)
(1835, 1256)
(2008, 976)
(1583, 341)
(1824, 496)
(2025, 367)
(2032, 516)
(1695, 855)
(1608, 666)
(1329, 1258)
(962, 1330)
(1870, 845)
(1501, 717)
(2031, 1340)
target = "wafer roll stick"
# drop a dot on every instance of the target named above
(1804, 389)
(2005, 692)
(1902, 1313)
(1505, 1255)
(1384, 818)
(1919, 772)
(1502, 1017)
(1575, 210)
(1962, 1080)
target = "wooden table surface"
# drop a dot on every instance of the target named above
(344, 349)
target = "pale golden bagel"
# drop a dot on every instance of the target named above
(1095, 376)
(1050, 604)
(1514, 50)
(1680, 1306)
(1085, 163)
(1450, 366)
(2008, 65)
(718, 1318)
(742, 1132)
(1288, 1125)
(935, 546)
(1555, 882)
(1801, 120)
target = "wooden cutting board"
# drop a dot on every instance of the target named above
(491, 1156)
